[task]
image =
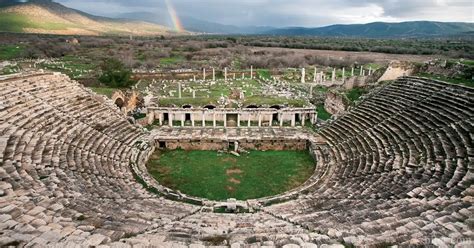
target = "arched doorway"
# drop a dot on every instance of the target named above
(209, 106)
(120, 103)
(276, 116)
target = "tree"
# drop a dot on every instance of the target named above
(116, 74)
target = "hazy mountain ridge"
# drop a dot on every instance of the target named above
(369, 30)
(44, 16)
(381, 29)
(194, 24)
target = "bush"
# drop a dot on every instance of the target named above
(116, 74)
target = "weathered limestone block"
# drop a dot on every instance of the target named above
(336, 103)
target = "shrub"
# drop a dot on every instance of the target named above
(116, 74)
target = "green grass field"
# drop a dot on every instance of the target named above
(221, 176)
(108, 92)
(14, 22)
(462, 81)
(8, 52)
(322, 113)
(355, 93)
(253, 94)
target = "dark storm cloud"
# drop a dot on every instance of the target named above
(291, 12)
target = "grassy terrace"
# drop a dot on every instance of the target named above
(254, 100)
(74, 66)
(462, 81)
(108, 92)
(355, 93)
(10, 51)
(221, 176)
(210, 94)
(322, 113)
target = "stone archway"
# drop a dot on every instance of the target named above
(119, 102)
(276, 116)
(209, 106)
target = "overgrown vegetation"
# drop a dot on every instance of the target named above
(10, 51)
(104, 91)
(462, 81)
(222, 176)
(322, 113)
(116, 74)
(355, 93)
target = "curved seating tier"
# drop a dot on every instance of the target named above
(65, 172)
(403, 168)
(397, 169)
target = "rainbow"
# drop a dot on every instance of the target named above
(178, 26)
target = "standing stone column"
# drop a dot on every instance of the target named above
(293, 120)
(370, 70)
(179, 89)
(160, 118)
(203, 119)
(225, 120)
(182, 119)
(170, 119)
(194, 78)
(280, 115)
(204, 74)
(192, 119)
(251, 72)
(315, 74)
(214, 119)
(343, 74)
(333, 78)
(194, 94)
(233, 76)
(303, 75)
(213, 74)
(225, 74)
(361, 70)
(248, 119)
(238, 119)
(303, 119)
(271, 120)
(259, 119)
(243, 75)
(311, 91)
(352, 72)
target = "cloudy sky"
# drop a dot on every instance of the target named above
(309, 13)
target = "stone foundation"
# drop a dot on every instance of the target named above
(214, 145)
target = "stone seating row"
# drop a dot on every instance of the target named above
(402, 168)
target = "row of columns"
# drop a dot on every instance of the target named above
(204, 76)
(313, 117)
(320, 77)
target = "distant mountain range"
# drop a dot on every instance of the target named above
(370, 30)
(193, 24)
(46, 16)
(381, 30)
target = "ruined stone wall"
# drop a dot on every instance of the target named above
(276, 145)
(214, 145)
(335, 103)
(359, 81)
(397, 69)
